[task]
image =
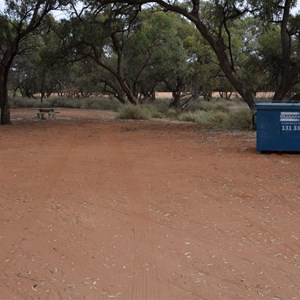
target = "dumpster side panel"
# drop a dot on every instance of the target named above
(267, 130)
(278, 128)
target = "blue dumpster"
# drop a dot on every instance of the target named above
(278, 127)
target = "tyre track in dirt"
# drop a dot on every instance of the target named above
(146, 275)
(53, 166)
(105, 186)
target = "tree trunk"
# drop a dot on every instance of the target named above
(42, 96)
(281, 92)
(5, 114)
(129, 93)
(175, 103)
(4, 105)
(240, 85)
(286, 75)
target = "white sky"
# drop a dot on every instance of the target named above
(296, 9)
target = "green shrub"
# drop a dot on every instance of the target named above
(220, 106)
(199, 105)
(172, 114)
(135, 112)
(199, 116)
(111, 104)
(153, 110)
(240, 120)
(237, 119)
(217, 118)
(157, 114)
(214, 105)
(19, 102)
(64, 102)
(161, 105)
(101, 103)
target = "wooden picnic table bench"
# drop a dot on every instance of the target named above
(46, 111)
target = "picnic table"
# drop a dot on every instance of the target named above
(43, 112)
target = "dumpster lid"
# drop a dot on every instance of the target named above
(290, 104)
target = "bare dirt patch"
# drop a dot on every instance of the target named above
(94, 208)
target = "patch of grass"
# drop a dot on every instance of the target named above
(63, 102)
(101, 103)
(199, 105)
(217, 118)
(235, 119)
(213, 105)
(19, 102)
(135, 112)
(220, 106)
(154, 111)
(111, 104)
(199, 116)
(172, 114)
(239, 120)
(221, 114)
(162, 105)
(156, 114)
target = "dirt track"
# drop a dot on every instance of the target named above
(93, 208)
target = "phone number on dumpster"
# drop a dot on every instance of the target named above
(290, 127)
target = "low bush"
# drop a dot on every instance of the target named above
(156, 114)
(172, 114)
(154, 111)
(236, 119)
(217, 118)
(162, 105)
(135, 112)
(199, 116)
(220, 106)
(213, 105)
(111, 104)
(63, 102)
(101, 103)
(19, 102)
(239, 120)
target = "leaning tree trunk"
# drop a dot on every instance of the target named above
(239, 84)
(287, 82)
(220, 50)
(128, 91)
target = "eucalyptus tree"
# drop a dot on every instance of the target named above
(38, 67)
(158, 54)
(101, 36)
(133, 52)
(278, 48)
(18, 21)
(166, 53)
(213, 19)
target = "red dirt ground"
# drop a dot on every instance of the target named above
(94, 208)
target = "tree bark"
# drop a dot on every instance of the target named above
(127, 90)
(4, 105)
(5, 114)
(175, 103)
